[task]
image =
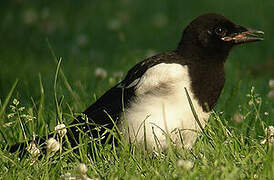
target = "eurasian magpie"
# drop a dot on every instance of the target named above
(152, 102)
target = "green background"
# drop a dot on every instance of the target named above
(115, 35)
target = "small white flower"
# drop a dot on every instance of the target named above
(271, 83)
(30, 17)
(61, 129)
(28, 117)
(33, 150)
(68, 176)
(118, 74)
(11, 115)
(13, 108)
(258, 100)
(238, 118)
(8, 124)
(114, 24)
(82, 168)
(185, 164)
(100, 73)
(263, 141)
(21, 109)
(250, 103)
(271, 94)
(111, 81)
(266, 113)
(15, 102)
(252, 90)
(53, 145)
(269, 131)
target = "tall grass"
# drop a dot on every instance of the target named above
(115, 35)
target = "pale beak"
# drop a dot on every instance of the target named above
(248, 35)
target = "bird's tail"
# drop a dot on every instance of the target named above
(76, 132)
(71, 135)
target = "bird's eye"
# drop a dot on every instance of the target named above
(220, 31)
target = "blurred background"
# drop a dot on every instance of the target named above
(115, 35)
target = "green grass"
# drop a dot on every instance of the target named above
(115, 35)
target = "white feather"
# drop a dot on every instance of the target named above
(163, 114)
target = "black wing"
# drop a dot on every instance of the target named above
(108, 108)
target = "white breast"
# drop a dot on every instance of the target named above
(161, 108)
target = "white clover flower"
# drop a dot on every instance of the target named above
(30, 17)
(269, 131)
(252, 89)
(238, 118)
(100, 73)
(61, 129)
(263, 141)
(118, 74)
(114, 24)
(185, 164)
(250, 103)
(111, 80)
(11, 115)
(258, 100)
(271, 94)
(271, 83)
(82, 168)
(28, 117)
(33, 150)
(21, 109)
(53, 145)
(6, 125)
(13, 108)
(68, 176)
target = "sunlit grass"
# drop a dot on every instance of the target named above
(220, 152)
(92, 45)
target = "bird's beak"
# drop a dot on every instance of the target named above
(244, 36)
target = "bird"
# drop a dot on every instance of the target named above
(157, 100)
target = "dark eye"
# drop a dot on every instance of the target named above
(220, 31)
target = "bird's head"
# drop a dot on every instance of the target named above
(214, 34)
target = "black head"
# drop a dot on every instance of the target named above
(214, 35)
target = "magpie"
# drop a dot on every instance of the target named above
(153, 100)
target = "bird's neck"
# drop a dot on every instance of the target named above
(207, 82)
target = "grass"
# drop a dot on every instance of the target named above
(115, 35)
